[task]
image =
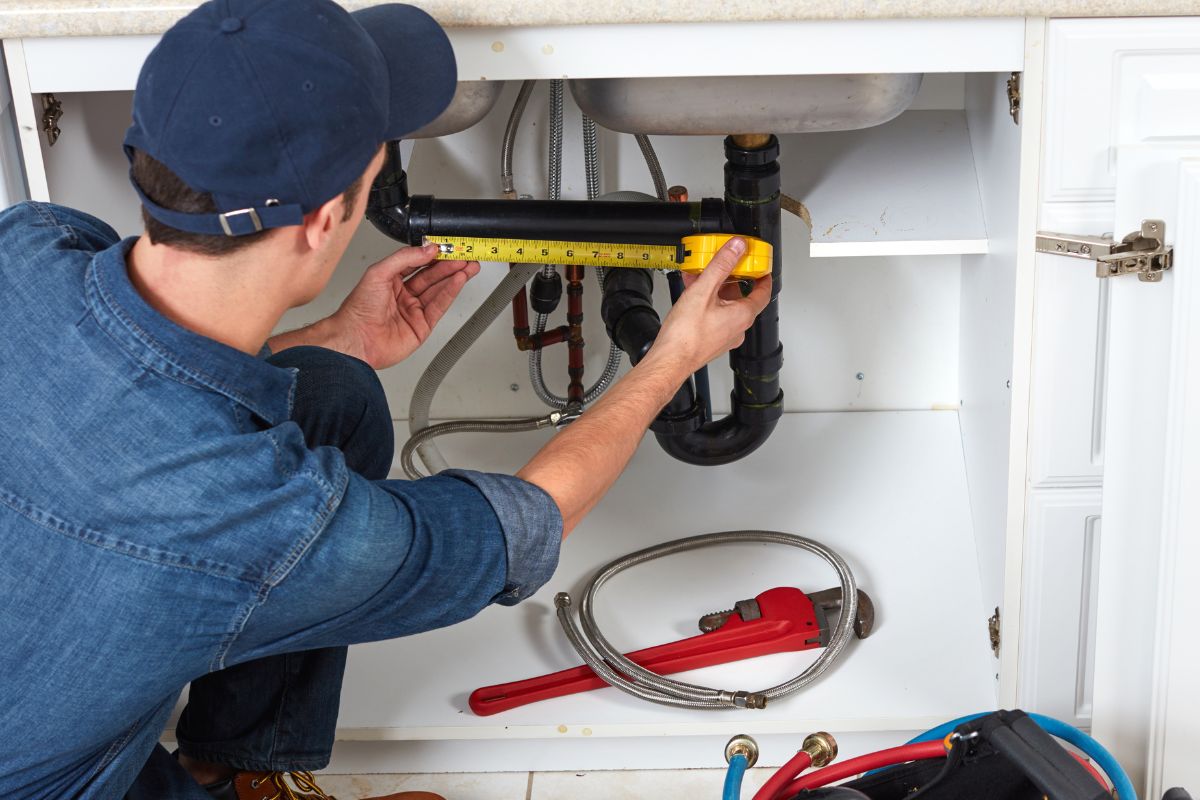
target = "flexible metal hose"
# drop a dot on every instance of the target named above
(617, 670)
(424, 437)
(452, 351)
(537, 378)
(510, 138)
(466, 336)
(591, 160)
(555, 155)
(656, 172)
(591, 168)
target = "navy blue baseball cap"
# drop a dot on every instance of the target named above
(276, 106)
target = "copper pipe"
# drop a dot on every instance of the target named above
(575, 338)
(677, 194)
(751, 141)
(537, 341)
(520, 309)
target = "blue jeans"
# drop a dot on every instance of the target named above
(279, 713)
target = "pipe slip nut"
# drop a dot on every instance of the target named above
(821, 747)
(744, 699)
(742, 745)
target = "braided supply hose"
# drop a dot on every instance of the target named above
(510, 138)
(495, 303)
(466, 336)
(537, 377)
(652, 163)
(617, 670)
(425, 436)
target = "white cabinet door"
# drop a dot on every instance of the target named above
(1145, 685)
(1058, 618)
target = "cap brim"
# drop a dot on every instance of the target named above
(420, 62)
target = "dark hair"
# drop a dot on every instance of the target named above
(166, 189)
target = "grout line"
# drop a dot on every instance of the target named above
(529, 787)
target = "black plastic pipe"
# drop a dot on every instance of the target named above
(410, 219)
(752, 206)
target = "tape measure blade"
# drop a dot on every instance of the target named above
(544, 251)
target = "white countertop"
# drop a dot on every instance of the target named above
(23, 18)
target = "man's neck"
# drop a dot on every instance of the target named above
(229, 299)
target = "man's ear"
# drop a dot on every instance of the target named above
(319, 223)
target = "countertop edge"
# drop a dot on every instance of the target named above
(57, 18)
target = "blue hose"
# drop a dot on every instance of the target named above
(733, 778)
(1068, 733)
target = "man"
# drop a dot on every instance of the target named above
(185, 499)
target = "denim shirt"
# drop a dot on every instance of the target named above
(161, 518)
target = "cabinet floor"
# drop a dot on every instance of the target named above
(609, 785)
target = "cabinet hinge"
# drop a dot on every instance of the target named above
(994, 632)
(1142, 253)
(1014, 97)
(51, 113)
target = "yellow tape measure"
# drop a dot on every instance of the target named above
(691, 255)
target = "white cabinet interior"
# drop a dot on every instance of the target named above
(924, 494)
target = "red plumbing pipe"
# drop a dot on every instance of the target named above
(525, 339)
(781, 786)
(536, 341)
(855, 766)
(575, 336)
(794, 766)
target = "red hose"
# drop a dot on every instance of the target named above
(781, 786)
(855, 766)
(795, 765)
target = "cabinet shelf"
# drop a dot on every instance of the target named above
(886, 489)
(907, 187)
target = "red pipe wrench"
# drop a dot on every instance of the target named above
(779, 620)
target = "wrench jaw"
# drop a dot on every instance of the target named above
(828, 603)
(746, 609)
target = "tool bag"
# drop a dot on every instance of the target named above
(1002, 756)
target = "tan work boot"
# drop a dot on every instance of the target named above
(289, 786)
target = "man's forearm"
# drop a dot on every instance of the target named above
(322, 333)
(579, 465)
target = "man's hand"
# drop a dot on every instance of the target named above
(392, 310)
(579, 465)
(711, 316)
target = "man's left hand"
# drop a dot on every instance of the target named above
(395, 305)
(391, 311)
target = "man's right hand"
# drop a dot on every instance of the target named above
(579, 465)
(711, 316)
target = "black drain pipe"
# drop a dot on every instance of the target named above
(410, 218)
(752, 207)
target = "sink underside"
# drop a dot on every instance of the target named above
(736, 104)
(471, 102)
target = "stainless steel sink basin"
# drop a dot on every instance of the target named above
(472, 101)
(728, 105)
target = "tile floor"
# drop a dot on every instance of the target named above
(615, 785)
